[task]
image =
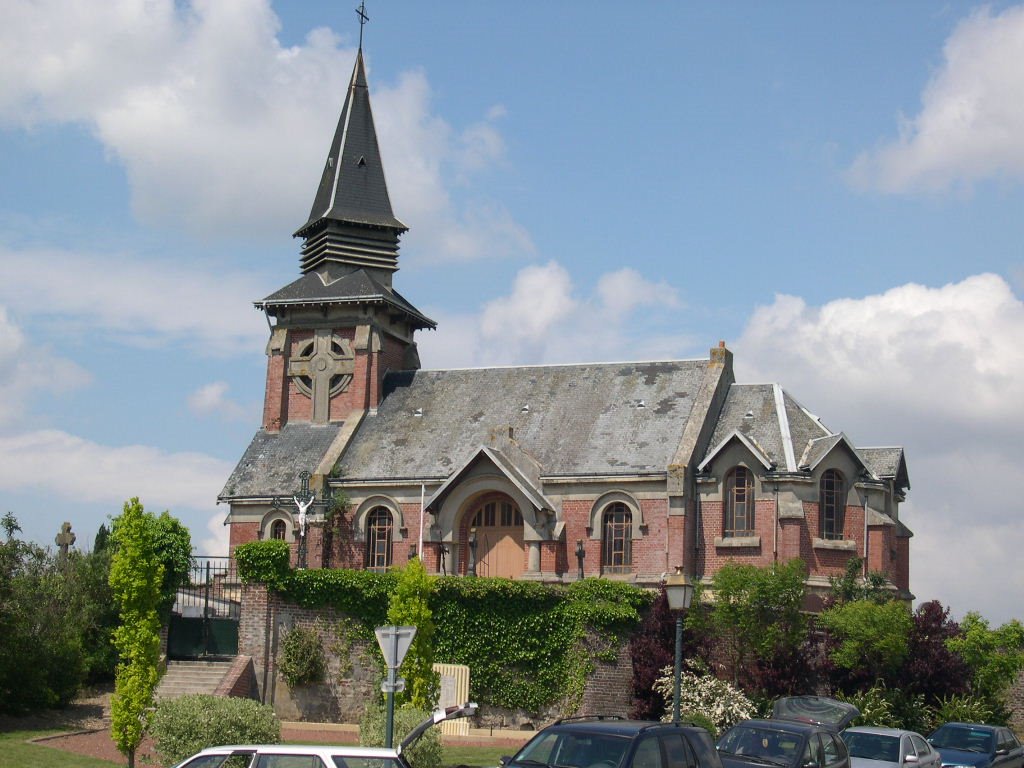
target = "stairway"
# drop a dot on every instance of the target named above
(185, 677)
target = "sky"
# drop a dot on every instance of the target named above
(833, 189)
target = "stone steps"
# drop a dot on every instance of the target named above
(186, 677)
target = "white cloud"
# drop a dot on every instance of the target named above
(30, 370)
(219, 126)
(941, 372)
(212, 400)
(623, 291)
(971, 123)
(75, 468)
(138, 302)
(544, 319)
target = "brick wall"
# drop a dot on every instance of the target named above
(1015, 701)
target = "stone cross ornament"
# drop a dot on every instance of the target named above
(65, 539)
(323, 367)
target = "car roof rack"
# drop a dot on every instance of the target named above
(584, 718)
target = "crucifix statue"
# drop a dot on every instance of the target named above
(305, 499)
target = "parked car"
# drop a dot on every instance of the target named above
(318, 756)
(972, 745)
(872, 747)
(612, 742)
(783, 743)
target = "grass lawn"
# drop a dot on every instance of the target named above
(16, 753)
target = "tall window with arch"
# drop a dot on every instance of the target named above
(739, 502)
(832, 503)
(379, 534)
(278, 530)
(617, 539)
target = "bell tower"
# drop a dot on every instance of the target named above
(337, 329)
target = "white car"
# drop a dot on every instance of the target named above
(318, 755)
(872, 747)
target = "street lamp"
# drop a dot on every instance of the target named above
(679, 592)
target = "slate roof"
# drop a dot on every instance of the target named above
(271, 464)
(888, 463)
(357, 287)
(352, 186)
(596, 419)
(764, 429)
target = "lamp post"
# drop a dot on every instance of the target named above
(679, 592)
(581, 553)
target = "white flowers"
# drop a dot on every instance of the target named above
(707, 696)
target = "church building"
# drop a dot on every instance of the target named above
(549, 473)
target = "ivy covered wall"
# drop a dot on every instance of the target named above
(531, 648)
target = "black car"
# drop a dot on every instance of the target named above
(610, 742)
(971, 745)
(782, 743)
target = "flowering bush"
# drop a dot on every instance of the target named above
(707, 697)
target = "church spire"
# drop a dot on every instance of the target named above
(351, 221)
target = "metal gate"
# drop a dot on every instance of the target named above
(204, 620)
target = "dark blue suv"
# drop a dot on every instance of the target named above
(970, 745)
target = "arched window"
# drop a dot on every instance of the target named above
(378, 539)
(832, 503)
(739, 503)
(617, 539)
(497, 514)
(278, 530)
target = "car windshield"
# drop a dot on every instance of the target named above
(560, 748)
(962, 737)
(873, 746)
(764, 745)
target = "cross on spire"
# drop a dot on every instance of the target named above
(363, 18)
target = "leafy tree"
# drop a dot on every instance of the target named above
(136, 575)
(652, 649)
(931, 668)
(410, 605)
(872, 640)
(757, 622)
(994, 656)
(852, 586)
(97, 614)
(42, 664)
(173, 547)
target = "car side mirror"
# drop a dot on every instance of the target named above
(910, 759)
(504, 760)
(1002, 751)
(810, 764)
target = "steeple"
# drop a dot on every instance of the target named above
(351, 222)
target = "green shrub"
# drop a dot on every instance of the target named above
(264, 562)
(302, 657)
(425, 753)
(181, 727)
(875, 705)
(963, 709)
(701, 720)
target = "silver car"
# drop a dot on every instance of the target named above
(872, 747)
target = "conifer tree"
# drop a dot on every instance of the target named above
(135, 578)
(410, 605)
